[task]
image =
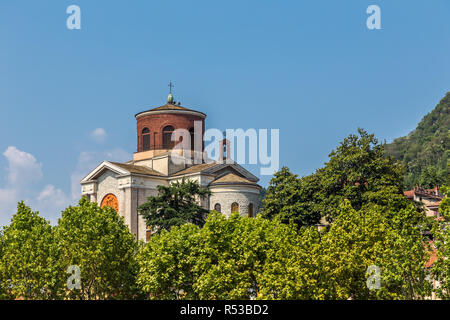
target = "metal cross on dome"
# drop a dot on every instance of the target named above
(171, 86)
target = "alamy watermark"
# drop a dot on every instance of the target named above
(74, 280)
(374, 279)
(374, 20)
(251, 146)
(73, 22)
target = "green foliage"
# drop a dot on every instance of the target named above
(441, 232)
(357, 171)
(226, 259)
(359, 239)
(166, 264)
(3, 292)
(293, 268)
(290, 199)
(29, 258)
(333, 264)
(425, 151)
(444, 207)
(175, 205)
(232, 255)
(98, 242)
(243, 258)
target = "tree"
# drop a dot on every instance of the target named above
(29, 258)
(244, 258)
(291, 199)
(166, 264)
(3, 291)
(229, 258)
(432, 176)
(357, 171)
(359, 239)
(98, 242)
(293, 269)
(441, 232)
(175, 205)
(232, 255)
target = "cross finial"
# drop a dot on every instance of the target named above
(171, 86)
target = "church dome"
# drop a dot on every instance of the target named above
(155, 126)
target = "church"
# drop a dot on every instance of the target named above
(126, 186)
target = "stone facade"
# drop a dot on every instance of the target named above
(225, 197)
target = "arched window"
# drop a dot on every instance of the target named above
(235, 207)
(250, 210)
(191, 132)
(167, 137)
(145, 139)
(218, 207)
(110, 200)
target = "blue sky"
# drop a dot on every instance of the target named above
(309, 68)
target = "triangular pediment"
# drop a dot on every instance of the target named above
(101, 169)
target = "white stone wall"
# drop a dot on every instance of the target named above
(107, 183)
(138, 189)
(137, 223)
(225, 196)
(131, 192)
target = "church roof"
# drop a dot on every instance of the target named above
(195, 169)
(137, 169)
(170, 107)
(232, 178)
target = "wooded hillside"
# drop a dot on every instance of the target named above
(425, 151)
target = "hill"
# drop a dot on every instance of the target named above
(425, 151)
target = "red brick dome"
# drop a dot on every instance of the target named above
(155, 126)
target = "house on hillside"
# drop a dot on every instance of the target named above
(431, 199)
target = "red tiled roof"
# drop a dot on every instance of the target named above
(409, 193)
(195, 169)
(231, 178)
(170, 106)
(137, 169)
(428, 193)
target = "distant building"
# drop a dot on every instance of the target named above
(431, 199)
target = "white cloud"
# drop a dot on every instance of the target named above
(24, 181)
(51, 195)
(23, 168)
(99, 135)
(24, 174)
